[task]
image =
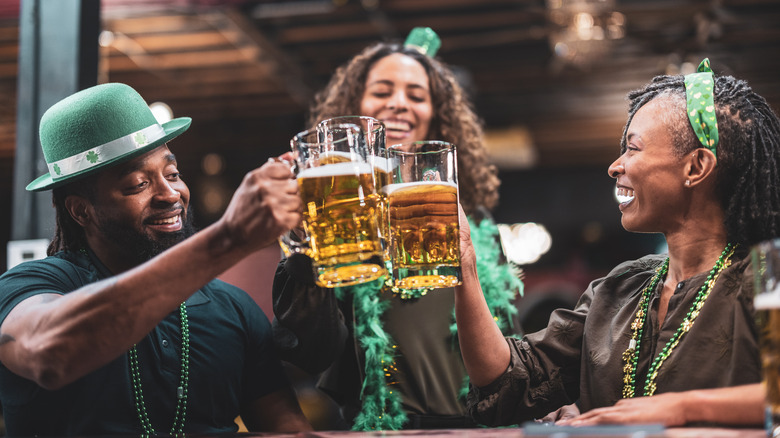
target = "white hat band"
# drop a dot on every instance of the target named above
(105, 152)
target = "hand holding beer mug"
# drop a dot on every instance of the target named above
(423, 215)
(766, 273)
(336, 185)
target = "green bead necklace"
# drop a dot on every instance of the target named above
(631, 355)
(181, 392)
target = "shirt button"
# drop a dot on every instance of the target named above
(165, 343)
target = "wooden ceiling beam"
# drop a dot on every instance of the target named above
(166, 23)
(196, 40)
(222, 91)
(458, 23)
(283, 69)
(465, 22)
(9, 52)
(494, 38)
(748, 3)
(181, 60)
(206, 75)
(418, 6)
(242, 107)
(9, 31)
(8, 70)
(326, 32)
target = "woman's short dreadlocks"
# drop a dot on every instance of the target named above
(748, 172)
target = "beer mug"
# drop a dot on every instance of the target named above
(340, 208)
(372, 133)
(422, 201)
(766, 280)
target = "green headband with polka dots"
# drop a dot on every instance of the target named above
(700, 92)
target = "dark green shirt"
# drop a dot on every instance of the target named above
(232, 362)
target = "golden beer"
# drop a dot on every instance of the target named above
(382, 179)
(340, 216)
(333, 157)
(424, 234)
(768, 322)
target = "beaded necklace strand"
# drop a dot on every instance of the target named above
(181, 392)
(631, 355)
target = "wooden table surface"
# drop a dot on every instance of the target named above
(638, 431)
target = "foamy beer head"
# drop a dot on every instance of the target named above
(334, 157)
(422, 203)
(371, 137)
(340, 208)
(336, 185)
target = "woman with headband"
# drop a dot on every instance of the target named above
(394, 362)
(667, 338)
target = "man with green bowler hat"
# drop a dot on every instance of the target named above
(123, 329)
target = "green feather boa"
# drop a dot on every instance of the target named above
(381, 407)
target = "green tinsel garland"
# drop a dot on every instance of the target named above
(381, 407)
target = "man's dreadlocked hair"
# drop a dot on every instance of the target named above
(68, 234)
(748, 151)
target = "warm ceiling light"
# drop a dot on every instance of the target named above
(162, 112)
(106, 38)
(583, 29)
(524, 243)
(212, 164)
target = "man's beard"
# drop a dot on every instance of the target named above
(142, 247)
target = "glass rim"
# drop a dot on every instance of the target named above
(443, 146)
(380, 125)
(765, 245)
(773, 241)
(297, 140)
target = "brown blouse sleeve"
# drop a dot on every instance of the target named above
(543, 373)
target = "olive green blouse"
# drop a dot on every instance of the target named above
(578, 357)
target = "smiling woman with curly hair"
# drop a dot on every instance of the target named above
(453, 119)
(393, 362)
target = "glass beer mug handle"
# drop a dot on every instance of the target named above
(295, 241)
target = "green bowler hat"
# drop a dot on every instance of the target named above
(97, 128)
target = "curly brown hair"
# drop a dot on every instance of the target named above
(454, 119)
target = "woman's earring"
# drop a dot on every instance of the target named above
(687, 183)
